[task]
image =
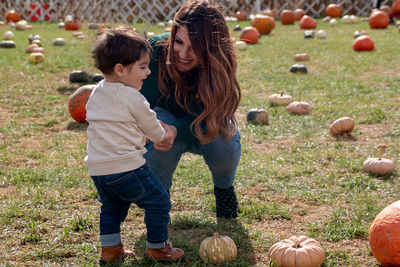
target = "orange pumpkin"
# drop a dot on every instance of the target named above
(240, 16)
(363, 43)
(287, 17)
(384, 235)
(72, 26)
(12, 16)
(264, 24)
(299, 13)
(77, 102)
(333, 10)
(249, 35)
(307, 22)
(378, 20)
(396, 7)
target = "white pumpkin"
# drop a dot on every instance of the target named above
(333, 22)
(218, 249)
(354, 19)
(280, 99)
(378, 166)
(321, 34)
(299, 107)
(346, 19)
(8, 35)
(241, 45)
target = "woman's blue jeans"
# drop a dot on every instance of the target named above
(221, 156)
(118, 191)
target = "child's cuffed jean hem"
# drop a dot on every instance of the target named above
(157, 245)
(110, 240)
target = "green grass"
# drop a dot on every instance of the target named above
(293, 178)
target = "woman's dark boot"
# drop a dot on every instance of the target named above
(226, 202)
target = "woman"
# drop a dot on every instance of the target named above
(193, 87)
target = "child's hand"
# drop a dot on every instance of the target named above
(168, 141)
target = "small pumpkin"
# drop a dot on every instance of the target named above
(378, 20)
(59, 42)
(346, 19)
(307, 22)
(8, 44)
(379, 166)
(342, 126)
(280, 99)
(321, 34)
(363, 43)
(241, 16)
(218, 249)
(12, 16)
(297, 251)
(8, 35)
(308, 34)
(36, 57)
(298, 68)
(264, 24)
(269, 12)
(299, 108)
(258, 116)
(287, 17)
(302, 57)
(333, 22)
(333, 10)
(33, 37)
(72, 26)
(77, 102)
(354, 18)
(79, 76)
(249, 35)
(241, 45)
(30, 48)
(358, 33)
(384, 235)
(299, 13)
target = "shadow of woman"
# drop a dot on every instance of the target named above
(188, 231)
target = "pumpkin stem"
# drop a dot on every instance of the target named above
(215, 234)
(381, 150)
(281, 93)
(297, 244)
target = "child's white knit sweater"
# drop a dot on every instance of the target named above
(119, 119)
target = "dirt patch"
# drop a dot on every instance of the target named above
(8, 192)
(5, 116)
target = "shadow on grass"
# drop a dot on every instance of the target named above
(188, 231)
(67, 90)
(346, 138)
(76, 126)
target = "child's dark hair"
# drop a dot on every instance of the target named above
(119, 45)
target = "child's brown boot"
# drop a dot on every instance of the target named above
(166, 254)
(111, 254)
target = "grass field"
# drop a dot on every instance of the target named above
(293, 178)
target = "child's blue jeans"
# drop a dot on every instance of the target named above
(118, 191)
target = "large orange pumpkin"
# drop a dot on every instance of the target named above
(396, 7)
(264, 24)
(307, 22)
(249, 35)
(287, 17)
(363, 43)
(299, 13)
(333, 10)
(77, 102)
(378, 20)
(384, 235)
(12, 16)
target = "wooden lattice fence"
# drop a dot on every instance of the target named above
(152, 11)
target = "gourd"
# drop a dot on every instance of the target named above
(342, 126)
(301, 57)
(8, 44)
(298, 68)
(257, 116)
(379, 166)
(12, 16)
(363, 43)
(333, 10)
(280, 99)
(241, 45)
(378, 20)
(249, 35)
(264, 24)
(299, 13)
(77, 102)
(287, 17)
(307, 22)
(218, 249)
(297, 251)
(59, 42)
(384, 235)
(8, 35)
(299, 108)
(321, 34)
(36, 57)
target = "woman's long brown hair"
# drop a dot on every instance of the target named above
(216, 89)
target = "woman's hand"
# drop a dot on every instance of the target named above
(168, 141)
